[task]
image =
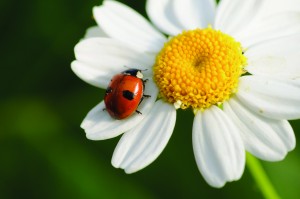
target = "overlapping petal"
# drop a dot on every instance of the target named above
(142, 145)
(192, 14)
(233, 16)
(277, 6)
(266, 138)
(98, 124)
(270, 97)
(94, 31)
(161, 13)
(218, 147)
(125, 24)
(271, 27)
(276, 57)
(98, 59)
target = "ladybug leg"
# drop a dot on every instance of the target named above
(140, 102)
(138, 112)
(146, 96)
(104, 109)
(108, 90)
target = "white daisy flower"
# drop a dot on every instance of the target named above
(235, 68)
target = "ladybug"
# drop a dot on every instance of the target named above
(124, 94)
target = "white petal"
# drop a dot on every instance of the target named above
(233, 16)
(143, 144)
(94, 31)
(98, 124)
(125, 24)
(277, 6)
(275, 26)
(270, 97)
(265, 138)
(218, 147)
(93, 75)
(192, 14)
(162, 14)
(277, 57)
(101, 58)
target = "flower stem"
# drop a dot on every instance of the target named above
(261, 178)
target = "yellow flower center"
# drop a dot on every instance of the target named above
(199, 68)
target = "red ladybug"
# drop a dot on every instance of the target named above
(124, 94)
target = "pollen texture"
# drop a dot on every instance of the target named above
(199, 68)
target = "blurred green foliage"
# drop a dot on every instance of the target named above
(43, 151)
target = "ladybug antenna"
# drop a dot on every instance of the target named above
(127, 67)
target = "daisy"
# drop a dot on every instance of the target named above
(234, 67)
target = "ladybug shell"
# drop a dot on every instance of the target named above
(123, 95)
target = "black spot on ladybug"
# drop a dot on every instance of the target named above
(108, 90)
(128, 94)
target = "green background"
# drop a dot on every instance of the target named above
(43, 151)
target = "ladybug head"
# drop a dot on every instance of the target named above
(133, 72)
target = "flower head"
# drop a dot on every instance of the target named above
(236, 69)
(199, 68)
